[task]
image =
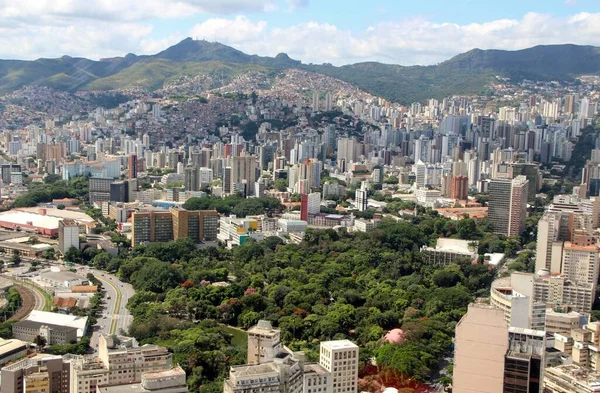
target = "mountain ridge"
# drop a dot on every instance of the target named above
(465, 73)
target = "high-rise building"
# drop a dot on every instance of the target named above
(310, 205)
(68, 235)
(8, 170)
(152, 226)
(524, 361)
(569, 104)
(340, 358)
(99, 189)
(315, 100)
(581, 264)
(132, 166)
(480, 348)
(191, 178)
(460, 187)
(361, 197)
(42, 373)
(508, 205)
(548, 234)
(119, 191)
(243, 174)
(328, 102)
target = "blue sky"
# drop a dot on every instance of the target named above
(333, 31)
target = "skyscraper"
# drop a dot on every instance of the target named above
(480, 347)
(132, 166)
(328, 102)
(310, 205)
(315, 100)
(243, 174)
(340, 358)
(361, 196)
(508, 205)
(460, 187)
(191, 176)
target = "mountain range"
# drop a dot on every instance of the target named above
(467, 73)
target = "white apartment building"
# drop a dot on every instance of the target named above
(274, 368)
(340, 358)
(581, 264)
(68, 235)
(116, 365)
(235, 231)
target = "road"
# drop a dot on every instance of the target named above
(28, 290)
(115, 316)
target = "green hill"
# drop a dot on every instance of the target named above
(154, 73)
(467, 73)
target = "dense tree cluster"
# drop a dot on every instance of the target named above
(53, 188)
(234, 204)
(333, 285)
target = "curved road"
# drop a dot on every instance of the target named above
(115, 317)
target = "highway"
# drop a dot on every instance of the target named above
(115, 317)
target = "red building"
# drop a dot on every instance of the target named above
(460, 187)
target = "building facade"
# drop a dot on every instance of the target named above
(153, 226)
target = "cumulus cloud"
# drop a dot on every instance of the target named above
(31, 29)
(67, 30)
(131, 10)
(409, 41)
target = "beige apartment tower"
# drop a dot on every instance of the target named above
(508, 205)
(264, 343)
(480, 348)
(153, 226)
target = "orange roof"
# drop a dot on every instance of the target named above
(84, 289)
(574, 247)
(64, 302)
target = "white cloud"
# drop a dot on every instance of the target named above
(409, 41)
(62, 27)
(131, 10)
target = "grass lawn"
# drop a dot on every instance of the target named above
(240, 337)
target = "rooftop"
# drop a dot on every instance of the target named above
(61, 214)
(11, 345)
(339, 344)
(252, 370)
(36, 325)
(263, 327)
(314, 368)
(456, 245)
(174, 372)
(25, 218)
(64, 275)
(59, 319)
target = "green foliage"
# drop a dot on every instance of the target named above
(333, 285)
(281, 185)
(6, 329)
(582, 152)
(156, 276)
(73, 255)
(234, 204)
(53, 189)
(80, 348)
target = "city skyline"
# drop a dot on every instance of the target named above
(404, 34)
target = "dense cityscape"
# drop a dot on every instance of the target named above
(257, 225)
